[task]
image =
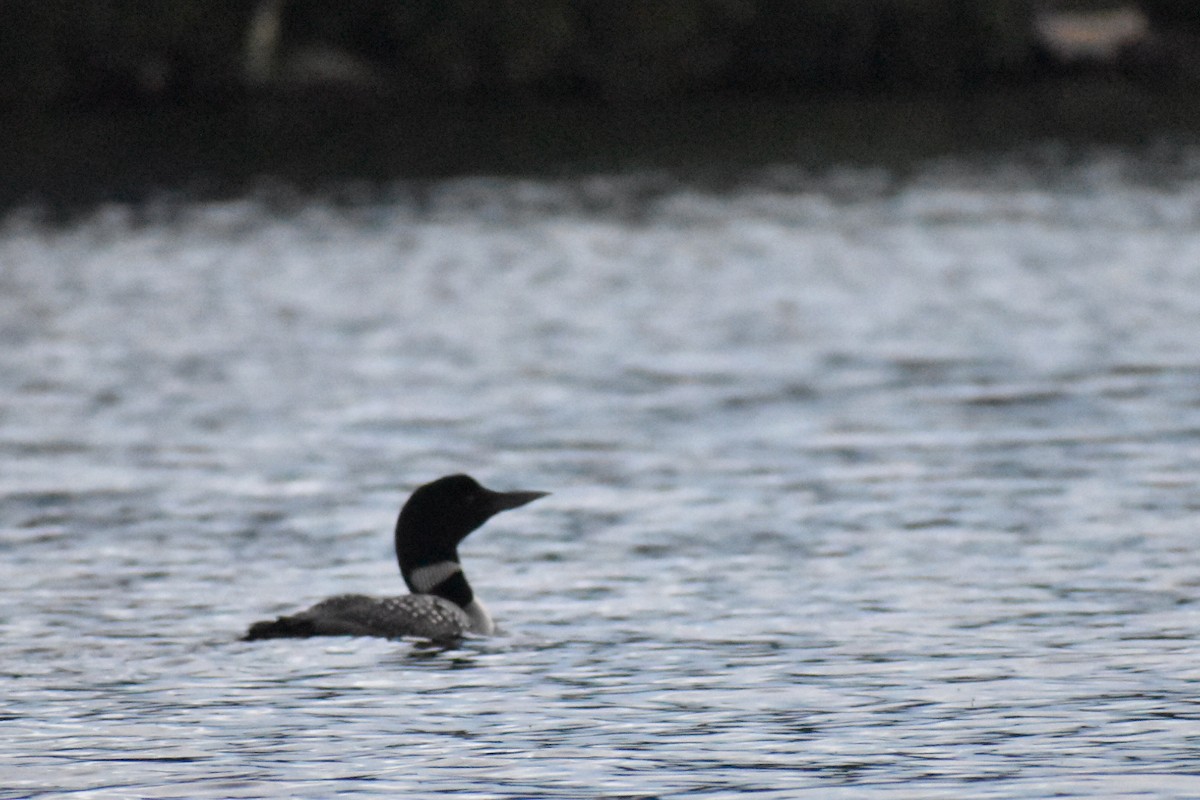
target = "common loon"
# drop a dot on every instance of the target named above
(442, 606)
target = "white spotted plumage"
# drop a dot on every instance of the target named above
(425, 616)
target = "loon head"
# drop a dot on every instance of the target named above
(435, 519)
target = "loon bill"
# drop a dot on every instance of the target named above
(442, 606)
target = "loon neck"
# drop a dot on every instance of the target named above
(424, 579)
(447, 580)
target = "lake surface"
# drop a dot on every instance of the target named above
(866, 484)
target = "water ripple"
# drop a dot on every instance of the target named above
(864, 486)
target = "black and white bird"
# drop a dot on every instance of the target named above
(442, 606)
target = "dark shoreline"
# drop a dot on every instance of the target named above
(69, 161)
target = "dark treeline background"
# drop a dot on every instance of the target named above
(133, 100)
(57, 54)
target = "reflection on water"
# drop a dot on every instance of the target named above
(864, 485)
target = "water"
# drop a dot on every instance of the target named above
(866, 484)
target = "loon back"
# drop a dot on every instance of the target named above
(442, 605)
(425, 616)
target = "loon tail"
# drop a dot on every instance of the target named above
(281, 628)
